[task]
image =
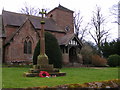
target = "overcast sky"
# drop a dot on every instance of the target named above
(85, 6)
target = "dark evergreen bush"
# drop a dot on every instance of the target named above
(36, 53)
(52, 51)
(114, 60)
(110, 48)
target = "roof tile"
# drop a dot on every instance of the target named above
(16, 19)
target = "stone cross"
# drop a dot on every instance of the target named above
(42, 13)
(42, 38)
(42, 58)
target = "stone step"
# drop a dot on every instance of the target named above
(43, 69)
(37, 74)
(31, 74)
(45, 66)
(58, 74)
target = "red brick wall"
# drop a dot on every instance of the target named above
(15, 51)
(63, 18)
(9, 30)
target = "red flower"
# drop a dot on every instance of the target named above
(44, 74)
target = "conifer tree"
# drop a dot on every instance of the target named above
(52, 51)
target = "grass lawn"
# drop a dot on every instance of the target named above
(12, 77)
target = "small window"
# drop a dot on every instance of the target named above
(51, 15)
(27, 47)
(67, 28)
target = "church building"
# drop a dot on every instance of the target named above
(19, 34)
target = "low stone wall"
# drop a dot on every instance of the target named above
(102, 85)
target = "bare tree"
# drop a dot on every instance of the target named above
(79, 29)
(98, 22)
(84, 31)
(30, 10)
(115, 10)
(78, 19)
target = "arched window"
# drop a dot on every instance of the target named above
(27, 47)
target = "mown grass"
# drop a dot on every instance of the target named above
(13, 77)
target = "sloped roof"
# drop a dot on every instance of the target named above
(12, 36)
(61, 8)
(17, 19)
(67, 38)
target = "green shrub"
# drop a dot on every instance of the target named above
(86, 52)
(114, 60)
(110, 48)
(98, 61)
(52, 50)
(36, 53)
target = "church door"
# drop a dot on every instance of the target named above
(72, 55)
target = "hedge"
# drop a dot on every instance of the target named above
(114, 60)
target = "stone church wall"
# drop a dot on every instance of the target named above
(9, 31)
(15, 51)
(63, 19)
(66, 20)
